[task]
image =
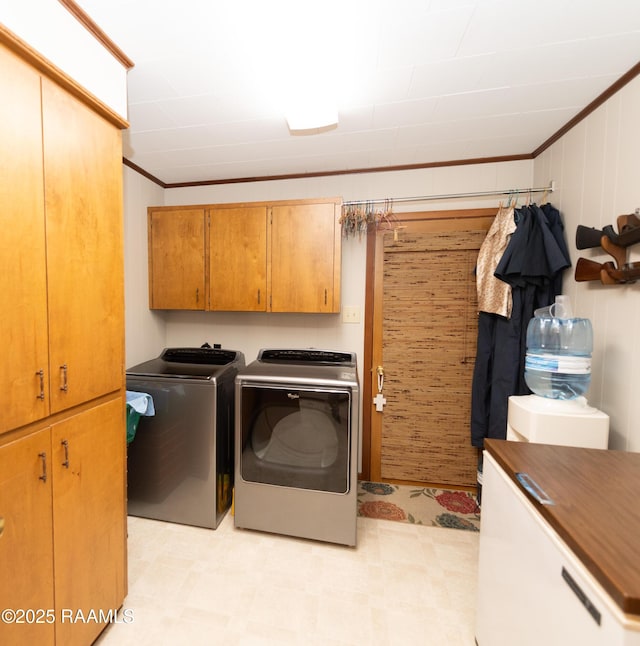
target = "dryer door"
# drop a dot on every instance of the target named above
(295, 437)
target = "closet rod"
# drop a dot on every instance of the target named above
(448, 196)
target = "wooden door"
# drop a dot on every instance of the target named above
(24, 369)
(425, 334)
(89, 511)
(305, 258)
(85, 266)
(238, 259)
(177, 246)
(26, 543)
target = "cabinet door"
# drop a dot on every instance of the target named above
(177, 259)
(305, 258)
(23, 298)
(26, 548)
(89, 511)
(83, 205)
(238, 259)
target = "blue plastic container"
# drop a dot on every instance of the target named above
(558, 358)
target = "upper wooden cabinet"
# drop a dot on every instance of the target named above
(305, 258)
(238, 259)
(177, 259)
(252, 257)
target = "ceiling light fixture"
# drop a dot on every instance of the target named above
(311, 116)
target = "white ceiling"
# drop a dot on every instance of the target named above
(414, 81)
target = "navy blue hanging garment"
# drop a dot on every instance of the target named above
(532, 264)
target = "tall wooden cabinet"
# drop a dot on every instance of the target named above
(251, 257)
(62, 419)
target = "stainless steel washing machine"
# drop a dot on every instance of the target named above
(297, 426)
(180, 463)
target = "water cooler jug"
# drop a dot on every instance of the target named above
(558, 359)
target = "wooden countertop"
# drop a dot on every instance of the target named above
(596, 510)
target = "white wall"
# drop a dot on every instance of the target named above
(145, 330)
(597, 172)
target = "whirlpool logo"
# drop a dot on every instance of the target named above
(293, 395)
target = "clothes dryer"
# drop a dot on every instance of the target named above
(297, 426)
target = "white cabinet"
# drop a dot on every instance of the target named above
(532, 589)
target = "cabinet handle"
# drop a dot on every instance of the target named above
(1, 525)
(197, 294)
(258, 297)
(325, 296)
(65, 444)
(65, 385)
(40, 374)
(43, 457)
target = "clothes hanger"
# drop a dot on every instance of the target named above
(544, 197)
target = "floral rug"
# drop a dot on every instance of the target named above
(420, 506)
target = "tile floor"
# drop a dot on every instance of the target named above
(402, 585)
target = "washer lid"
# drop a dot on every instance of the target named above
(189, 363)
(209, 356)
